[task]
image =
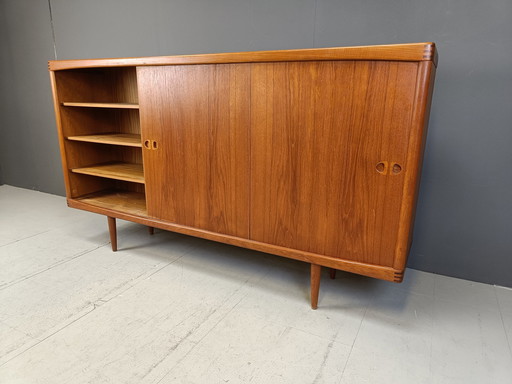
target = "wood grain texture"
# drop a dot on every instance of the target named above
(416, 148)
(84, 121)
(318, 131)
(118, 200)
(125, 139)
(115, 170)
(113, 232)
(81, 154)
(98, 85)
(95, 102)
(101, 105)
(199, 116)
(61, 134)
(123, 84)
(88, 121)
(127, 121)
(83, 85)
(316, 271)
(127, 186)
(393, 52)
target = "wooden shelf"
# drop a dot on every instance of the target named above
(118, 171)
(123, 201)
(125, 139)
(102, 105)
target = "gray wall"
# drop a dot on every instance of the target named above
(464, 218)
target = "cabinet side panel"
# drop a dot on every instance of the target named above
(419, 124)
(319, 129)
(199, 116)
(60, 132)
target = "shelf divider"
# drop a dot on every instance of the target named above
(115, 170)
(118, 200)
(101, 105)
(125, 139)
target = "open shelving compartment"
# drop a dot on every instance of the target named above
(100, 130)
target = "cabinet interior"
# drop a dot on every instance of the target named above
(101, 135)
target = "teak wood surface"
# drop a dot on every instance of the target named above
(319, 130)
(102, 105)
(391, 52)
(117, 171)
(309, 154)
(202, 145)
(125, 139)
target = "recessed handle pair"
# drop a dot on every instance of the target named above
(387, 168)
(150, 144)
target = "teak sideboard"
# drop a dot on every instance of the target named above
(310, 154)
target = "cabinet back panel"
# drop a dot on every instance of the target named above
(83, 154)
(97, 85)
(84, 121)
(127, 121)
(127, 186)
(81, 185)
(86, 154)
(319, 129)
(124, 84)
(128, 154)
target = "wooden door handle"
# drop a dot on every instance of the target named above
(382, 167)
(385, 168)
(150, 144)
(395, 168)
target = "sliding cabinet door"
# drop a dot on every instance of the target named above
(329, 148)
(195, 123)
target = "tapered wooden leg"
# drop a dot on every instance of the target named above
(315, 284)
(113, 232)
(332, 273)
(151, 230)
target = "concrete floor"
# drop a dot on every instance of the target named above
(173, 309)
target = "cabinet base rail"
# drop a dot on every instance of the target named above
(316, 261)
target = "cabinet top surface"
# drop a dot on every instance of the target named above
(397, 52)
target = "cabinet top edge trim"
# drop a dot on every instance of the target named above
(394, 52)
